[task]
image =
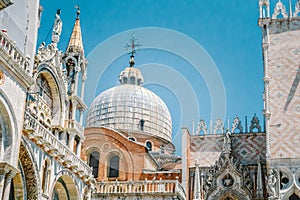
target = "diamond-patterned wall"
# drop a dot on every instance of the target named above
(246, 147)
(284, 101)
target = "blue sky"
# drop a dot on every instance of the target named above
(226, 30)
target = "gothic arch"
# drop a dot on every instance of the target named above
(64, 186)
(288, 182)
(228, 179)
(31, 176)
(57, 91)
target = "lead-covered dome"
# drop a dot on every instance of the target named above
(130, 107)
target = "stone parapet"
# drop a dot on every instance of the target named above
(15, 59)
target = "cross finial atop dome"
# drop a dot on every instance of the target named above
(133, 47)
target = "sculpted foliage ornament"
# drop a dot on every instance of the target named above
(236, 125)
(219, 126)
(50, 53)
(2, 77)
(255, 124)
(202, 127)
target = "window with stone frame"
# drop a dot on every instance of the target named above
(94, 162)
(113, 167)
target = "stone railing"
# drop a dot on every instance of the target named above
(14, 55)
(43, 137)
(158, 187)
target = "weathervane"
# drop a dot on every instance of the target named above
(133, 47)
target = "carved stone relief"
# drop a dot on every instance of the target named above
(2, 77)
(30, 175)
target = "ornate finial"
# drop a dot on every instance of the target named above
(279, 8)
(133, 47)
(78, 11)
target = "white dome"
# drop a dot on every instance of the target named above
(131, 108)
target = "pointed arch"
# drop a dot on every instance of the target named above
(264, 7)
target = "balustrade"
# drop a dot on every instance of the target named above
(56, 148)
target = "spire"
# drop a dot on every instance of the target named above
(291, 11)
(259, 185)
(297, 9)
(133, 47)
(197, 192)
(75, 44)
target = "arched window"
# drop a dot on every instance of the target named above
(132, 80)
(149, 145)
(142, 124)
(94, 162)
(125, 80)
(113, 167)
